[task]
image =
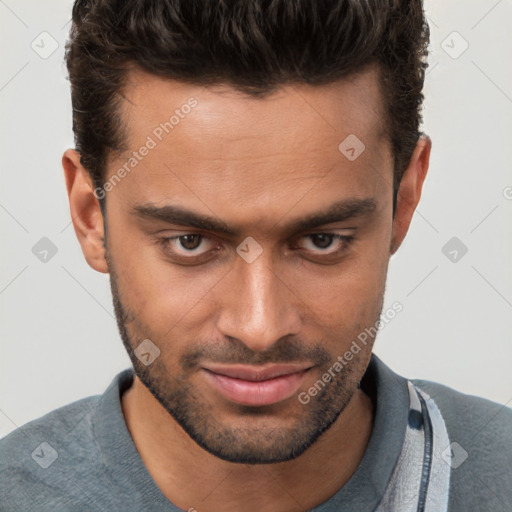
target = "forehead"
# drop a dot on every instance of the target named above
(257, 152)
(353, 103)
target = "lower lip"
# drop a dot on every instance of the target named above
(265, 392)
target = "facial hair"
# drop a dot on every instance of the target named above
(252, 440)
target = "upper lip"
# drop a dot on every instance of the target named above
(256, 373)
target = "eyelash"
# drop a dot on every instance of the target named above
(165, 243)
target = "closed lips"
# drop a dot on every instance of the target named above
(256, 386)
(256, 374)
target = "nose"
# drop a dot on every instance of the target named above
(258, 305)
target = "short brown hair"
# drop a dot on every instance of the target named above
(253, 45)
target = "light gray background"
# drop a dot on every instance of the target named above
(59, 339)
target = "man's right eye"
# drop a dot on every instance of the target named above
(189, 246)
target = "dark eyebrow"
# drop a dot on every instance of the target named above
(340, 211)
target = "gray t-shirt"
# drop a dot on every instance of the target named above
(81, 457)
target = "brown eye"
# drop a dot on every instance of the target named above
(322, 240)
(190, 242)
(189, 248)
(326, 243)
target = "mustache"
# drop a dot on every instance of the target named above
(285, 350)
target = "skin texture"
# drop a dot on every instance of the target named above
(257, 165)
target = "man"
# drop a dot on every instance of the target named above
(243, 171)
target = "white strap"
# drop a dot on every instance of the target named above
(421, 479)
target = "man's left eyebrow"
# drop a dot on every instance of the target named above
(340, 211)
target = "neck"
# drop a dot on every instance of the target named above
(190, 477)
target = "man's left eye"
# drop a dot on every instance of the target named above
(322, 242)
(190, 242)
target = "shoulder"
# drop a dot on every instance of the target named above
(38, 457)
(62, 421)
(480, 433)
(468, 415)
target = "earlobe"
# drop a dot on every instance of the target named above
(409, 193)
(85, 211)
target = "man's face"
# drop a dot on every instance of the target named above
(290, 295)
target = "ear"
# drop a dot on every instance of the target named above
(85, 211)
(409, 192)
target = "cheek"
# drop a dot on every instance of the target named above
(351, 284)
(164, 298)
(345, 301)
(349, 304)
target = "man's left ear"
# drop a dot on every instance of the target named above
(409, 192)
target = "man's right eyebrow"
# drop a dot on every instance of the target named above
(178, 215)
